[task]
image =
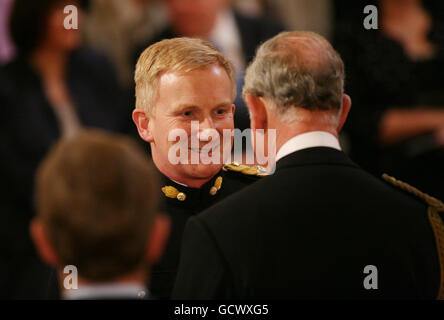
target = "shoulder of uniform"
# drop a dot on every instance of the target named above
(257, 171)
(435, 220)
(431, 201)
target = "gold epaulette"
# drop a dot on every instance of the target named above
(248, 170)
(434, 206)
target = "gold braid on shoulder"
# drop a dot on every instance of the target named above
(431, 201)
(435, 206)
(247, 170)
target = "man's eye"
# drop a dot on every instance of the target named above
(221, 111)
(187, 113)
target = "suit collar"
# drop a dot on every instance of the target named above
(315, 156)
(308, 140)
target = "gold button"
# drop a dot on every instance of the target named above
(213, 191)
(181, 196)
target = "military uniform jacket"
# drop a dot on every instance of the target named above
(316, 229)
(181, 203)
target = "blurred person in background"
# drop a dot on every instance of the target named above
(394, 74)
(6, 48)
(116, 28)
(97, 210)
(316, 16)
(233, 33)
(51, 89)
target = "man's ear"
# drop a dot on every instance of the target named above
(42, 244)
(233, 109)
(346, 106)
(258, 112)
(157, 238)
(142, 122)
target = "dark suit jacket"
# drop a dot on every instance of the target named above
(308, 231)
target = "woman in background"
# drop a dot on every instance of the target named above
(49, 91)
(394, 76)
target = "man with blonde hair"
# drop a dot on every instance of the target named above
(184, 97)
(98, 220)
(320, 227)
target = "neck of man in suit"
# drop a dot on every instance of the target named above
(296, 121)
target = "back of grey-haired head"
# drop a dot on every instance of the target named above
(297, 69)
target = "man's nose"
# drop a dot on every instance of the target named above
(205, 129)
(206, 123)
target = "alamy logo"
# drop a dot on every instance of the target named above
(371, 21)
(371, 280)
(70, 280)
(72, 19)
(207, 146)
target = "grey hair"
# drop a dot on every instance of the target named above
(297, 69)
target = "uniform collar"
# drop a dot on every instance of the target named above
(193, 197)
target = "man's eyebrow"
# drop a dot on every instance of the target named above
(224, 104)
(183, 106)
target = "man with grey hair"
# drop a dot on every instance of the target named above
(320, 227)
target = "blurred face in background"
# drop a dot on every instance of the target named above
(55, 34)
(194, 18)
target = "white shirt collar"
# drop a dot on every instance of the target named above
(226, 36)
(106, 290)
(308, 140)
